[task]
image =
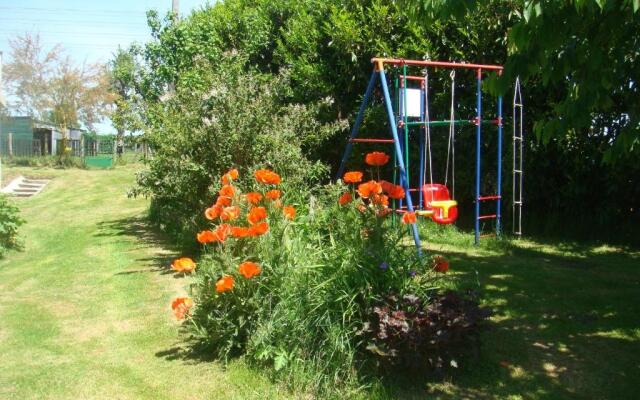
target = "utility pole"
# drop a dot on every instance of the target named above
(175, 7)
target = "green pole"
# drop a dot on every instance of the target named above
(406, 126)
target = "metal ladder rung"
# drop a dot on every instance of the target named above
(518, 138)
(517, 171)
(517, 202)
(371, 140)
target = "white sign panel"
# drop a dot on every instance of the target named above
(413, 97)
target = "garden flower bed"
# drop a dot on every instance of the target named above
(321, 289)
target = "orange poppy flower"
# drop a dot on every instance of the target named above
(206, 237)
(221, 232)
(393, 191)
(258, 229)
(369, 189)
(383, 212)
(253, 197)
(273, 194)
(229, 176)
(249, 269)
(256, 214)
(183, 264)
(212, 213)
(353, 177)
(289, 212)
(181, 306)
(409, 218)
(267, 177)
(223, 201)
(239, 232)
(362, 208)
(227, 191)
(345, 198)
(376, 158)
(230, 213)
(224, 284)
(440, 264)
(380, 200)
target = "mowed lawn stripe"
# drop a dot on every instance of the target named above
(84, 309)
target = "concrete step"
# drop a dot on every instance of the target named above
(30, 186)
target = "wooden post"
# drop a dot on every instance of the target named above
(10, 144)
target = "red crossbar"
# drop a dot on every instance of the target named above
(442, 64)
(414, 190)
(487, 216)
(371, 140)
(492, 197)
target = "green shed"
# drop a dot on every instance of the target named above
(28, 137)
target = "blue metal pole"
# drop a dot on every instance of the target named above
(499, 202)
(396, 144)
(478, 140)
(356, 124)
(421, 176)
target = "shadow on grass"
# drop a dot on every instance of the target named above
(565, 325)
(146, 236)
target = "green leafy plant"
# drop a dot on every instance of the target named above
(10, 221)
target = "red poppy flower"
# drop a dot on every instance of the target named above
(239, 232)
(221, 233)
(369, 189)
(267, 177)
(230, 213)
(353, 177)
(380, 200)
(223, 201)
(289, 212)
(345, 198)
(253, 197)
(183, 264)
(409, 218)
(393, 191)
(440, 264)
(376, 159)
(206, 237)
(212, 213)
(229, 176)
(249, 269)
(181, 306)
(227, 191)
(256, 214)
(273, 194)
(258, 229)
(224, 284)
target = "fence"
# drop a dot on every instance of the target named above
(19, 147)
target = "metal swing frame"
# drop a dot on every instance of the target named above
(400, 120)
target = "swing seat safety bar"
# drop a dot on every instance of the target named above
(490, 216)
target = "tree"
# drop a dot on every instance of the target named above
(122, 74)
(583, 52)
(52, 87)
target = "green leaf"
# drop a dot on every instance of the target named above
(280, 361)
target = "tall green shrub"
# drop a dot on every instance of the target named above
(10, 221)
(229, 117)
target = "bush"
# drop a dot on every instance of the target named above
(10, 221)
(48, 161)
(227, 117)
(296, 293)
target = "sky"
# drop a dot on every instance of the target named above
(89, 30)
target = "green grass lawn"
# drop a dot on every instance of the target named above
(84, 311)
(85, 308)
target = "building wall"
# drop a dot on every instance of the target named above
(21, 129)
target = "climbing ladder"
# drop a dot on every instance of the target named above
(401, 121)
(517, 171)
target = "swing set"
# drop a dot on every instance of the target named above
(411, 112)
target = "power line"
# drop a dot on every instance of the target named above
(73, 10)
